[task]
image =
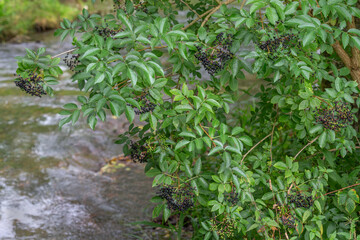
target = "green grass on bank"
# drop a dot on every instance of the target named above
(21, 17)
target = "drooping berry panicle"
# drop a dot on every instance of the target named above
(138, 153)
(72, 61)
(300, 200)
(214, 58)
(178, 198)
(32, 85)
(105, 31)
(232, 198)
(145, 104)
(336, 117)
(283, 43)
(288, 220)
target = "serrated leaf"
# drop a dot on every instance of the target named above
(280, 165)
(197, 167)
(181, 144)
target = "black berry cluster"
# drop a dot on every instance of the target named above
(223, 225)
(31, 85)
(145, 104)
(105, 31)
(288, 220)
(72, 61)
(283, 43)
(214, 58)
(232, 198)
(178, 198)
(300, 200)
(138, 153)
(336, 117)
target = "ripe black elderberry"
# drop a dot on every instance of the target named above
(214, 58)
(300, 200)
(138, 153)
(178, 198)
(284, 42)
(336, 117)
(145, 104)
(105, 31)
(31, 85)
(72, 61)
(232, 198)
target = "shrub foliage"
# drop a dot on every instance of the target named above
(286, 167)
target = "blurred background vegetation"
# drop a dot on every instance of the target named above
(19, 18)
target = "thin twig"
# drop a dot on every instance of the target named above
(354, 185)
(215, 10)
(254, 147)
(306, 147)
(271, 142)
(57, 55)
(190, 8)
(197, 19)
(207, 135)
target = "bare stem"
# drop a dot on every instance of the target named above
(190, 8)
(312, 141)
(57, 55)
(254, 147)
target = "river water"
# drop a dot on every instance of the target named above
(50, 183)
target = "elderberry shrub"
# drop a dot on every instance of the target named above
(336, 117)
(178, 198)
(300, 200)
(232, 198)
(72, 62)
(214, 58)
(32, 85)
(145, 104)
(138, 153)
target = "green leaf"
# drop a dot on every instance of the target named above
(183, 107)
(187, 134)
(132, 75)
(99, 77)
(352, 194)
(70, 106)
(178, 33)
(247, 140)
(197, 167)
(306, 215)
(125, 21)
(157, 210)
(115, 109)
(322, 140)
(355, 41)
(280, 165)
(215, 150)
(153, 122)
(271, 15)
(130, 114)
(316, 128)
(181, 144)
(239, 172)
(308, 38)
(75, 116)
(90, 52)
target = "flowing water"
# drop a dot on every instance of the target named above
(50, 185)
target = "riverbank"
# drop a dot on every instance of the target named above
(19, 18)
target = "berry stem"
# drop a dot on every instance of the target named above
(254, 147)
